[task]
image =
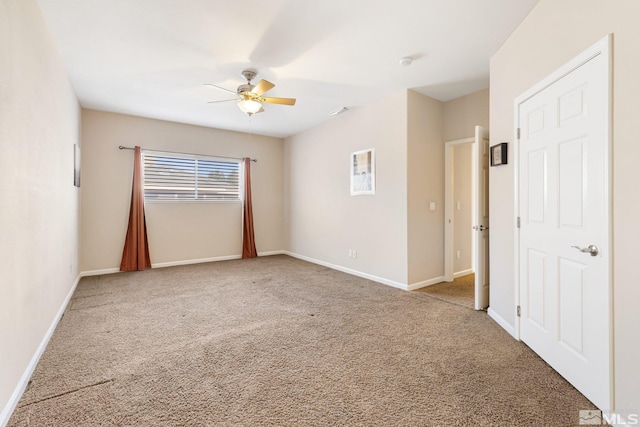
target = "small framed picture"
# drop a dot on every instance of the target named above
(499, 154)
(363, 172)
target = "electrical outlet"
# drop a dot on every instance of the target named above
(457, 254)
(355, 254)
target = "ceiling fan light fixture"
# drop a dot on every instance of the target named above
(249, 97)
(249, 106)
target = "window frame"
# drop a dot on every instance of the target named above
(196, 157)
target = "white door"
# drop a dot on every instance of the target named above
(481, 220)
(563, 207)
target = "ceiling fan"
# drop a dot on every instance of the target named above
(249, 97)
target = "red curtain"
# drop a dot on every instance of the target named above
(135, 255)
(248, 238)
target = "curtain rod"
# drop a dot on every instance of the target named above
(122, 147)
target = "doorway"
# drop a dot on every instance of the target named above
(563, 241)
(459, 209)
(467, 212)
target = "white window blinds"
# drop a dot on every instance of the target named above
(170, 176)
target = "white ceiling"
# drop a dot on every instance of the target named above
(151, 58)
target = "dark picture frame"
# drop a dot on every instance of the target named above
(76, 165)
(499, 154)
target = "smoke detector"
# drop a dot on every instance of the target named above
(405, 61)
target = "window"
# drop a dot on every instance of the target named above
(186, 177)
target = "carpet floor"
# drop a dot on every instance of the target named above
(460, 291)
(276, 341)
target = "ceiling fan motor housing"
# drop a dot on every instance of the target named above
(250, 96)
(249, 75)
(245, 88)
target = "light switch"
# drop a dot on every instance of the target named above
(458, 205)
(432, 206)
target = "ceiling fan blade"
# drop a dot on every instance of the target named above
(220, 87)
(262, 87)
(224, 100)
(282, 101)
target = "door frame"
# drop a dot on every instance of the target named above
(449, 255)
(602, 47)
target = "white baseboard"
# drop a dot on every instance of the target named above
(269, 253)
(195, 261)
(462, 273)
(214, 259)
(175, 263)
(502, 322)
(24, 379)
(349, 271)
(99, 272)
(436, 280)
(425, 283)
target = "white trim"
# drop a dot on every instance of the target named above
(502, 322)
(448, 204)
(99, 272)
(349, 271)
(425, 283)
(378, 279)
(601, 47)
(269, 253)
(607, 50)
(160, 201)
(516, 210)
(463, 273)
(11, 405)
(183, 262)
(468, 140)
(195, 261)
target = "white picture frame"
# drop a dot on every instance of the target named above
(362, 172)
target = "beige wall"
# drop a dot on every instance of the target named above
(39, 124)
(462, 218)
(461, 115)
(177, 231)
(396, 236)
(552, 34)
(323, 221)
(425, 184)
(402, 239)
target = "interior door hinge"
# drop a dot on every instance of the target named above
(518, 132)
(518, 222)
(518, 311)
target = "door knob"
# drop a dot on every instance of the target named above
(480, 227)
(591, 249)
